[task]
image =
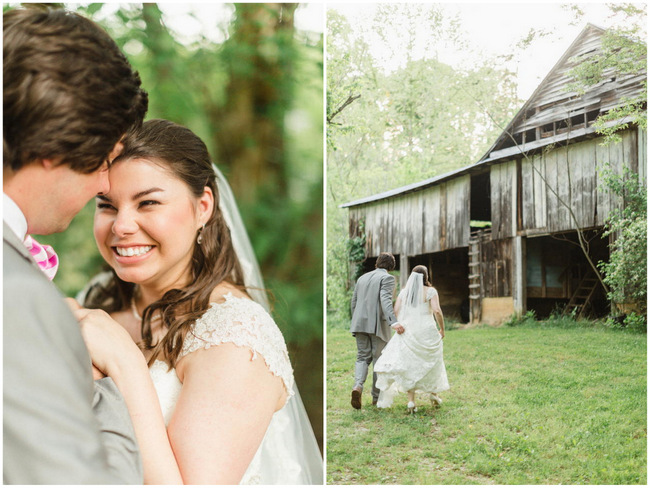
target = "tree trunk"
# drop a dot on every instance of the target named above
(249, 128)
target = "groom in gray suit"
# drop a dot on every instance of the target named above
(69, 96)
(372, 319)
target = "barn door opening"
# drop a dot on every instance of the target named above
(560, 280)
(480, 208)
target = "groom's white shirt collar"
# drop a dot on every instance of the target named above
(14, 217)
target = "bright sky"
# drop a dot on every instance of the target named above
(494, 29)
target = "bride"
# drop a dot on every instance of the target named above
(412, 361)
(203, 367)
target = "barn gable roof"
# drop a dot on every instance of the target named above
(551, 115)
(555, 114)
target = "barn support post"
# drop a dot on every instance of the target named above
(519, 274)
(404, 270)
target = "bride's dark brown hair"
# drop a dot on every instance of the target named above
(184, 154)
(423, 271)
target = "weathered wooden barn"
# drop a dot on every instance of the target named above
(499, 236)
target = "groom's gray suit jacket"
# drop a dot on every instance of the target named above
(372, 304)
(60, 427)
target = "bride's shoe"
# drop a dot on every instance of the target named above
(411, 407)
(436, 401)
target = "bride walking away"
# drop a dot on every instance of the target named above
(412, 361)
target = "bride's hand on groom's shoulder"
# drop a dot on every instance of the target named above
(74, 306)
(109, 344)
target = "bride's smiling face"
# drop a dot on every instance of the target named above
(146, 225)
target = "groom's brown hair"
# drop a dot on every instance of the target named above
(386, 261)
(68, 91)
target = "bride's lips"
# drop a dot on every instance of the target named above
(133, 253)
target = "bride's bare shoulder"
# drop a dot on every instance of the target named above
(223, 289)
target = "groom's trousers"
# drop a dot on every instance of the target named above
(369, 347)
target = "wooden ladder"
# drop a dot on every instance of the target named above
(475, 277)
(581, 298)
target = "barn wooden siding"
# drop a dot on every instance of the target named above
(496, 267)
(531, 195)
(430, 220)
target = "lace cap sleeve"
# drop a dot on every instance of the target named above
(431, 292)
(245, 323)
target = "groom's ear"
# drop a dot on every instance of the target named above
(49, 163)
(206, 204)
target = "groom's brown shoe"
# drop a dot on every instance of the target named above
(356, 399)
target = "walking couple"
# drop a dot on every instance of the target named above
(411, 361)
(192, 380)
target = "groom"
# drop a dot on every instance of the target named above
(69, 96)
(372, 319)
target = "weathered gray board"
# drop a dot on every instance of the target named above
(560, 188)
(432, 220)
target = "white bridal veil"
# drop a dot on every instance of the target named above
(412, 296)
(391, 372)
(240, 241)
(297, 436)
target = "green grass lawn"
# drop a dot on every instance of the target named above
(528, 405)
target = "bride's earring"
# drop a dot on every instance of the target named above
(199, 238)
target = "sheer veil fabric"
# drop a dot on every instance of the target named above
(413, 295)
(298, 440)
(240, 241)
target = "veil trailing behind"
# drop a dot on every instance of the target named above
(298, 436)
(412, 360)
(295, 440)
(413, 296)
(240, 241)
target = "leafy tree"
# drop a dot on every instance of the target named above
(627, 270)
(419, 120)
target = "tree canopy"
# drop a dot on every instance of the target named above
(422, 119)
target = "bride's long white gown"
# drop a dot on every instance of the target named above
(288, 453)
(413, 359)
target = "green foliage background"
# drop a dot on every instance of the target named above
(191, 83)
(423, 119)
(626, 273)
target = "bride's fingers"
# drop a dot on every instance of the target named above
(81, 313)
(72, 303)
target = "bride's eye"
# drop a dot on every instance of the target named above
(148, 203)
(105, 206)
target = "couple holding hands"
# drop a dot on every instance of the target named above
(167, 369)
(411, 361)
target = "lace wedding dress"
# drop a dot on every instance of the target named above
(413, 359)
(288, 453)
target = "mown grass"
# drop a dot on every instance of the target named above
(534, 404)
